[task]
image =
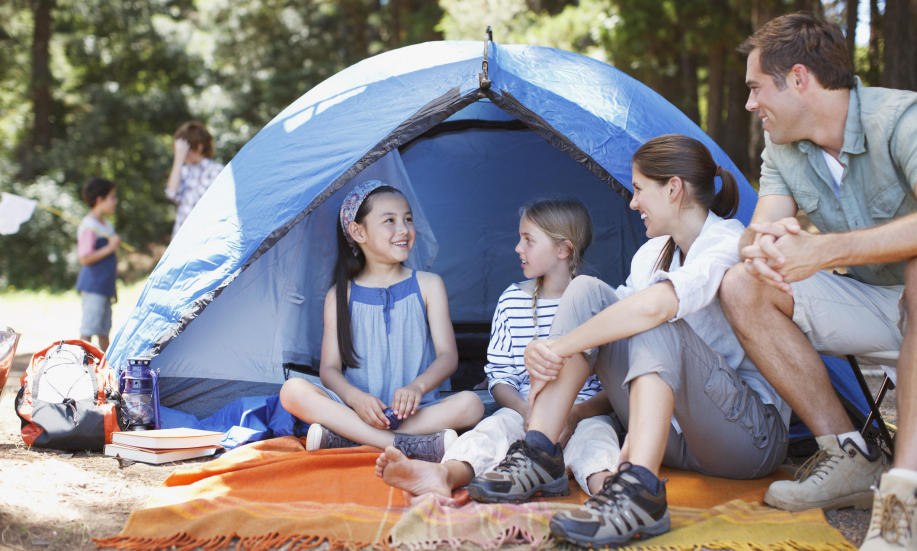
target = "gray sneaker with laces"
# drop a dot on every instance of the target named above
(322, 438)
(622, 510)
(426, 447)
(524, 472)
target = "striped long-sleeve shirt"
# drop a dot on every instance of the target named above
(512, 328)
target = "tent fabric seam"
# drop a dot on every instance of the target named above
(558, 140)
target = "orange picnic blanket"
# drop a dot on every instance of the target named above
(273, 493)
(268, 494)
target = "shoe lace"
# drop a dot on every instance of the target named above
(894, 525)
(516, 457)
(335, 440)
(418, 444)
(819, 464)
(615, 492)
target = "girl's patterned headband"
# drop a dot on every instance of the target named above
(352, 203)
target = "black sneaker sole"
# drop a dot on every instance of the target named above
(555, 488)
(659, 527)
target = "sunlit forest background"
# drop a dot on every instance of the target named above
(97, 87)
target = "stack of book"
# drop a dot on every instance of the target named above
(163, 445)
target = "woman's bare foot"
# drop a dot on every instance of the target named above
(411, 475)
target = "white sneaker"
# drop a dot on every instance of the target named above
(838, 475)
(894, 516)
(323, 438)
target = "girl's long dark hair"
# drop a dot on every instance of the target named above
(676, 155)
(349, 263)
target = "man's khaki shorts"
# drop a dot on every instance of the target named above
(842, 316)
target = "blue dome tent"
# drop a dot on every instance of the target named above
(236, 300)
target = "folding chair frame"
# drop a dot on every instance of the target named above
(874, 413)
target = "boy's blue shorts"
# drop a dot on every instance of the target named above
(96, 315)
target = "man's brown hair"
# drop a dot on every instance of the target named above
(802, 38)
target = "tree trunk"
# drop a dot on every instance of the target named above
(394, 7)
(763, 11)
(40, 87)
(740, 142)
(852, 8)
(40, 133)
(356, 22)
(874, 53)
(717, 62)
(689, 85)
(914, 14)
(900, 46)
(745, 128)
(814, 6)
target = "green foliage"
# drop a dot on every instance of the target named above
(15, 36)
(269, 52)
(126, 74)
(581, 28)
(648, 40)
(118, 98)
(43, 252)
(468, 19)
(575, 26)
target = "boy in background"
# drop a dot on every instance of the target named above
(97, 243)
(193, 169)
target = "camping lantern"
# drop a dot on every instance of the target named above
(139, 387)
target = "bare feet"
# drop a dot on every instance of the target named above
(411, 475)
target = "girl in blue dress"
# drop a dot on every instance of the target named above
(388, 343)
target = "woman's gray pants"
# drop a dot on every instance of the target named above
(726, 430)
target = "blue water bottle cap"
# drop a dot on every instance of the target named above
(393, 420)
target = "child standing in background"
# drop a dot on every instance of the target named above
(193, 169)
(97, 243)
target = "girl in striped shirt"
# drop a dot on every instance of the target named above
(553, 235)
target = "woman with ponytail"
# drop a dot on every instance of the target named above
(673, 370)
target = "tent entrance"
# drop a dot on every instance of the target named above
(472, 173)
(466, 166)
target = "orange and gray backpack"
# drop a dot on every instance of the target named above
(68, 399)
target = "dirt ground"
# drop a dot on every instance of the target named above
(57, 500)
